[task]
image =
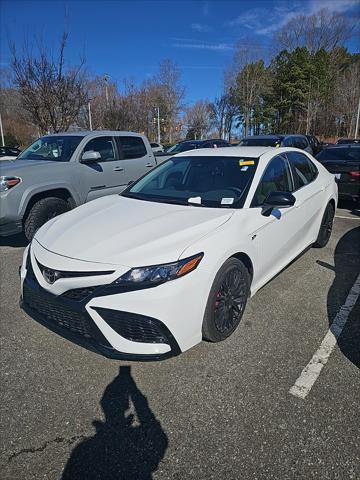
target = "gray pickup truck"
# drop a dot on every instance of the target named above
(61, 171)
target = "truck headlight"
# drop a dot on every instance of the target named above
(8, 182)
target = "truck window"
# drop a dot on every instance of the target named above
(103, 145)
(130, 147)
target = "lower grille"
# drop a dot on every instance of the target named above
(79, 294)
(51, 310)
(134, 327)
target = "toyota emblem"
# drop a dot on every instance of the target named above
(50, 275)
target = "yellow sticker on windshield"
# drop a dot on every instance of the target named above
(245, 163)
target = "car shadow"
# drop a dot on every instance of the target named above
(353, 207)
(18, 240)
(346, 269)
(129, 444)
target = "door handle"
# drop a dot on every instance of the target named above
(149, 165)
(118, 169)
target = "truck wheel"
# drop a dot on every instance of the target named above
(227, 301)
(42, 211)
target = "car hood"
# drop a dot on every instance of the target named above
(123, 231)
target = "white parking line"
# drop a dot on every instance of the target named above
(348, 218)
(310, 373)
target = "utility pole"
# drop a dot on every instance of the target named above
(357, 120)
(2, 132)
(106, 80)
(90, 119)
(158, 126)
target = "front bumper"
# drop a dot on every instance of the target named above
(126, 325)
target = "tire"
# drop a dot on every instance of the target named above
(325, 227)
(227, 301)
(42, 211)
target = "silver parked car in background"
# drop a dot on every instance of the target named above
(61, 171)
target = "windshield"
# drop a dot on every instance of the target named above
(58, 148)
(260, 142)
(203, 181)
(181, 147)
(340, 154)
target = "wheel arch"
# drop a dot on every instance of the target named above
(59, 192)
(246, 260)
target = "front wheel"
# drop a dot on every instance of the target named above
(325, 227)
(227, 301)
(43, 210)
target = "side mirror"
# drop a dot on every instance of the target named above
(90, 157)
(277, 200)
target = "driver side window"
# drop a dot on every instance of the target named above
(276, 178)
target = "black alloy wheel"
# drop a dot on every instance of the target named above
(227, 301)
(326, 227)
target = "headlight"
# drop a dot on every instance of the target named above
(154, 275)
(8, 182)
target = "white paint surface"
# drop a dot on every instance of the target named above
(311, 372)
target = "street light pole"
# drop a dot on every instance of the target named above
(158, 125)
(2, 132)
(90, 119)
(357, 120)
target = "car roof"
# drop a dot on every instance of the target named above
(342, 145)
(264, 136)
(252, 152)
(93, 133)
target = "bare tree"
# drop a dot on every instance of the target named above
(223, 114)
(323, 29)
(198, 119)
(52, 94)
(171, 95)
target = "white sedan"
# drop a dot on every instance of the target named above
(173, 259)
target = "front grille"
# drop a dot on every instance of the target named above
(134, 327)
(79, 294)
(49, 309)
(69, 274)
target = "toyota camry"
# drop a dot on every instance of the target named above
(175, 257)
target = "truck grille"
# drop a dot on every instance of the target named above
(51, 310)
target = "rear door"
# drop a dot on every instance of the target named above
(135, 158)
(104, 177)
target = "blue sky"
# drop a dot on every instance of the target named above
(127, 39)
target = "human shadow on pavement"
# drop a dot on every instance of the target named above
(129, 444)
(347, 269)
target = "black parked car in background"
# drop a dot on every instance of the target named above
(345, 141)
(297, 141)
(344, 162)
(315, 144)
(191, 145)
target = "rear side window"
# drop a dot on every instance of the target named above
(103, 145)
(340, 154)
(276, 178)
(304, 171)
(288, 142)
(131, 147)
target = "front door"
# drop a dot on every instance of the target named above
(277, 238)
(107, 176)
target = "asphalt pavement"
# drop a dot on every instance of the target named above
(218, 411)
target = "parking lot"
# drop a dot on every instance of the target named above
(218, 411)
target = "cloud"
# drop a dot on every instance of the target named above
(205, 8)
(200, 27)
(215, 47)
(264, 21)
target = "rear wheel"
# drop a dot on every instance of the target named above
(326, 227)
(43, 210)
(227, 301)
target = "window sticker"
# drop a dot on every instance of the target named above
(244, 163)
(227, 201)
(243, 169)
(196, 200)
